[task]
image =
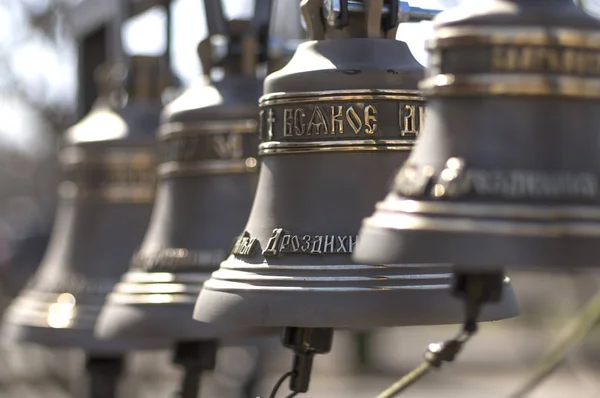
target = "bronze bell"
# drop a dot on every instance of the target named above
(336, 123)
(503, 173)
(105, 199)
(207, 178)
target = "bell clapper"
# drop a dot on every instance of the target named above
(306, 343)
(475, 289)
(104, 373)
(194, 357)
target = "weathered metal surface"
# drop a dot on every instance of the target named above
(505, 172)
(106, 197)
(336, 122)
(207, 178)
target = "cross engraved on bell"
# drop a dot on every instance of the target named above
(270, 120)
(341, 121)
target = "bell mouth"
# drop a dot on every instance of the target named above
(60, 320)
(479, 235)
(148, 304)
(338, 296)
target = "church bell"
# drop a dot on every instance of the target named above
(336, 122)
(105, 198)
(207, 178)
(506, 170)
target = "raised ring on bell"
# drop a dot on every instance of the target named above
(277, 147)
(364, 286)
(173, 169)
(175, 129)
(338, 95)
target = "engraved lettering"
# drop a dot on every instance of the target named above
(370, 120)
(513, 184)
(228, 147)
(244, 245)
(270, 120)
(309, 244)
(171, 259)
(288, 123)
(285, 242)
(411, 119)
(408, 118)
(306, 246)
(295, 243)
(273, 243)
(299, 126)
(421, 110)
(354, 120)
(318, 123)
(317, 245)
(352, 243)
(329, 242)
(337, 124)
(342, 244)
(546, 60)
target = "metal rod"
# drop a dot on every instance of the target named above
(215, 18)
(190, 385)
(104, 373)
(194, 357)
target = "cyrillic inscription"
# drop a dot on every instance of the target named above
(411, 119)
(74, 284)
(282, 242)
(330, 120)
(114, 178)
(244, 245)
(178, 260)
(197, 147)
(537, 59)
(348, 121)
(456, 180)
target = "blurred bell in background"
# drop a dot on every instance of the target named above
(48, 57)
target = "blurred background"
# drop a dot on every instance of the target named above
(38, 100)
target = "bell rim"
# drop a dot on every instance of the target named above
(282, 308)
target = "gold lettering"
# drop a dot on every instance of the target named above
(317, 123)
(501, 59)
(353, 120)
(370, 120)
(546, 60)
(337, 124)
(421, 117)
(288, 123)
(228, 147)
(299, 126)
(408, 119)
(552, 60)
(568, 61)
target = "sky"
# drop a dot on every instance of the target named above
(51, 76)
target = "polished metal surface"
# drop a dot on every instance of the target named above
(105, 198)
(336, 122)
(207, 179)
(505, 172)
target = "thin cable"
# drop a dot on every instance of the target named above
(573, 333)
(292, 395)
(434, 357)
(407, 381)
(279, 383)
